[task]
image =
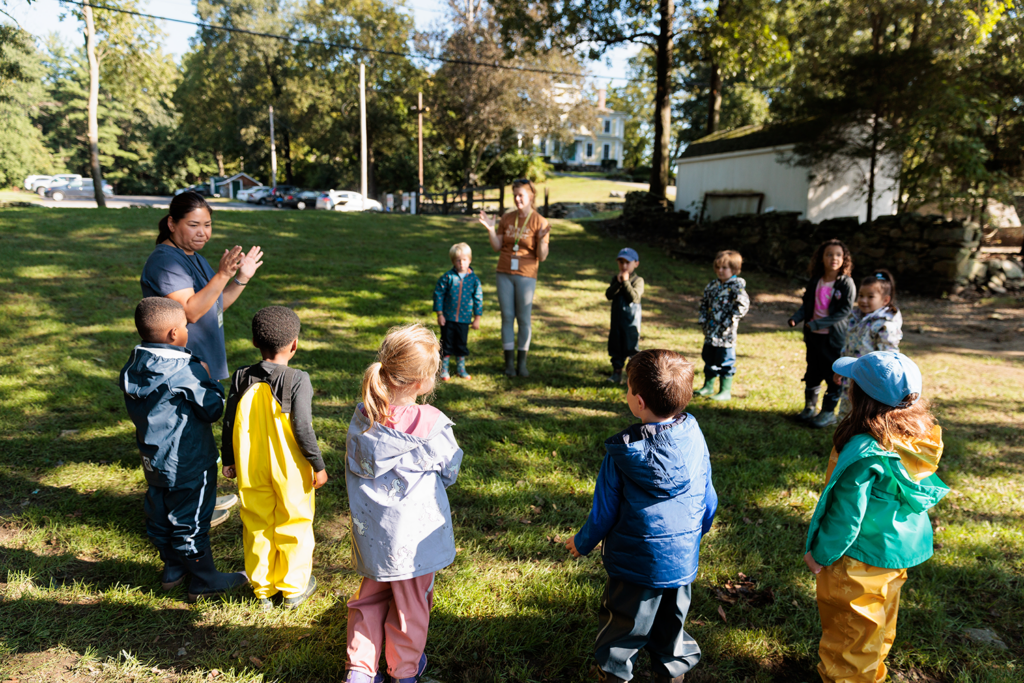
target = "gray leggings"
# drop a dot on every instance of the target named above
(515, 296)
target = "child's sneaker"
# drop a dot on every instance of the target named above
(419, 672)
(361, 677)
(460, 368)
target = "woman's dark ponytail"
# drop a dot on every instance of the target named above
(182, 205)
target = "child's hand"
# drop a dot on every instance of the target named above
(792, 323)
(207, 368)
(441, 319)
(487, 221)
(476, 323)
(571, 547)
(229, 471)
(319, 478)
(812, 564)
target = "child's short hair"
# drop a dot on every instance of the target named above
(274, 327)
(730, 258)
(156, 314)
(664, 378)
(408, 354)
(884, 279)
(460, 249)
(816, 268)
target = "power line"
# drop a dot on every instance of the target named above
(342, 46)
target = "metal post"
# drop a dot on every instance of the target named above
(362, 129)
(273, 154)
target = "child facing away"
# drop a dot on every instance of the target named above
(269, 443)
(173, 401)
(825, 313)
(871, 522)
(725, 301)
(459, 303)
(400, 458)
(624, 292)
(653, 502)
(876, 324)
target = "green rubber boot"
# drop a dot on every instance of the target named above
(510, 363)
(725, 391)
(708, 388)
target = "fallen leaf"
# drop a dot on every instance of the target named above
(721, 613)
(535, 510)
(796, 604)
(213, 673)
(554, 507)
(243, 643)
(741, 576)
(256, 661)
(554, 454)
(697, 622)
(747, 520)
(525, 521)
(182, 652)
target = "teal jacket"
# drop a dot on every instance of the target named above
(459, 298)
(875, 505)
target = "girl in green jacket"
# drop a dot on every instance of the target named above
(871, 522)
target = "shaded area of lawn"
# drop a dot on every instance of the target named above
(80, 579)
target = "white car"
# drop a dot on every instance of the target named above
(44, 183)
(243, 195)
(258, 195)
(343, 200)
(30, 182)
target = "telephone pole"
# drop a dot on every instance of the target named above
(419, 110)
(362, 129)
(273, 154)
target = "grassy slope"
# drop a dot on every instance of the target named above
(82, 594)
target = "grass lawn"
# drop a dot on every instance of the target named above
(583, 188)
(79, 590)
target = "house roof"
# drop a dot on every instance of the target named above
(236, 177)
(754, 137)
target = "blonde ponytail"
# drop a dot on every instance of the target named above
(408, 354)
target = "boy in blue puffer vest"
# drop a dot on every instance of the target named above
(459, 303)
(652, 504)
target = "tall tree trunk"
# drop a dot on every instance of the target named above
(286, 152)
(220, 163)
(714, 100)
(94, 101)
(874, 167)
(662, 103)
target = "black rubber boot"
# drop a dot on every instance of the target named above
(521, 365)
(206, 580)
(811, 395)
(510, 363)
(174, 571)
(827, 416)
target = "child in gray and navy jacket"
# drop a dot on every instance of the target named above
(725, 301)
(653, 502)
(625, 292)
(459, 303)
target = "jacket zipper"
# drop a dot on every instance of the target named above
(458, 302)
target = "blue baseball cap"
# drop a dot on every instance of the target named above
(886, 376)
(629, 254)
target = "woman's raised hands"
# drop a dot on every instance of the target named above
(487, 220)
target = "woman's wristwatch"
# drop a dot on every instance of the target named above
(240, 283)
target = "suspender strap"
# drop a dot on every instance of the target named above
(286, 392)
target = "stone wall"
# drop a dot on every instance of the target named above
(927, 254)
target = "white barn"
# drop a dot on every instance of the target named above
(745, 170)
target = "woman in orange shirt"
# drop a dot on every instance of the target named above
(521, 238)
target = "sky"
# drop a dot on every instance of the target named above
(43, 16)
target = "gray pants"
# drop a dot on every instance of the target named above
(515, 296)
(636, 617)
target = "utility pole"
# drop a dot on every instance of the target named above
(94, 97)
(362, 130)
(420, 110)
(273, 154)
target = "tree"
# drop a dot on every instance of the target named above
(22, 149)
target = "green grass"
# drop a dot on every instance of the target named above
(584, 188)
(81, 598)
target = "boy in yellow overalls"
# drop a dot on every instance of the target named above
(268, 430)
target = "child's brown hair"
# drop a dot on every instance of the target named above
(664, 378)
(816, 268)
(408, 354)
(882, 422)
(730, 258)
(884, 279)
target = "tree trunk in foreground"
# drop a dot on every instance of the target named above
(94, 98)
(662, 103)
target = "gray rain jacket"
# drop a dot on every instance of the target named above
(401, 520)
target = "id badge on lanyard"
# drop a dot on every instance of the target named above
(514, 265)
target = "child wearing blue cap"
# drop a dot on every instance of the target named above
(725, 301)
(871, 522)
(624, 292)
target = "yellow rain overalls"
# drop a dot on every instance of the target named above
(275, 484)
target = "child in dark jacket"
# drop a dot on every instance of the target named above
(459, 303)
(725, 301)
(624, 292)
(825, 313)
(653, 502)
(172, 400)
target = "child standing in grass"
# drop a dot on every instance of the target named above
(825, 313)
(173, 401)
(653, 502)
(400, 458)
(871, 521)
(624, 292)
(268, 430)
(875, 325)
(725, 301)
(459, 303)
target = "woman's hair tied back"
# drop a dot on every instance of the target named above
(181, 206)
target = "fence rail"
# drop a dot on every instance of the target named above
(467, 200)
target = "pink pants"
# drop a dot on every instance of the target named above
(397, 612)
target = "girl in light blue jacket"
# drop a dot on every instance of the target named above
(400, 457)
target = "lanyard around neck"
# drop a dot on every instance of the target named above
(520, 228)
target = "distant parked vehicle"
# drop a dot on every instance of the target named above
(244, 194)
(299, 199)
(344, 200)
(280, 191)
(259, 195)
(32, 180)
(202, 189)
(77, 189)
(46, 182)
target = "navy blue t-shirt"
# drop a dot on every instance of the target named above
(169, 269)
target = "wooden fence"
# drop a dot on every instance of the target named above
(467, 200)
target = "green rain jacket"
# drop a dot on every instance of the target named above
(875, 505)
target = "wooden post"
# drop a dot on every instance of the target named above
(469, 200)
(545, 201)
(501, 201)
(444, 203)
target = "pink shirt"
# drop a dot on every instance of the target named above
(417, 420)
(822, 296)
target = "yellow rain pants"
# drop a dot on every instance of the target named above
(275, 484)
(858, 605)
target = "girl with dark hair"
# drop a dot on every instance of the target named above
(825, 312)
(174, 270)
(871, 521)
(875, 325)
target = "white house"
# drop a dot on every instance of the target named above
(589, 148)
(746, 170)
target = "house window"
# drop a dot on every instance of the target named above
(590, 149)
(543, 146)
(607, 127)
(607, 152)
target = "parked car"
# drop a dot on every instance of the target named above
(344, 200)
(202, 189)
(260, 195)
(280, 191)
(77, 189)
(243, 194)
(46, 182)
(299, 199)
(32, 180)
